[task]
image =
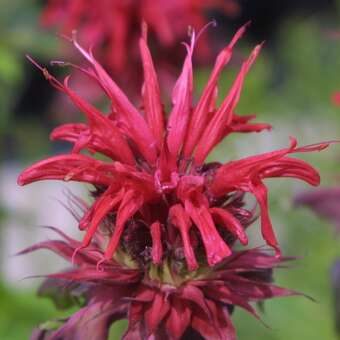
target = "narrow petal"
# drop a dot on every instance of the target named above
(199, 117)
(92, 275)
(227, 220)
(260, 192)
(256, 290)
(182, 100)
(138, 129)
(216, 249)
(100, 125)
(128, 207)
(103, 206)
(103, 128)
(181, 220)
(223, 117)
(238, 174)
(151, 93)
(73, 167)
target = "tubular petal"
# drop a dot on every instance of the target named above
(128, 207)
(151, 94)
(181, 220)
(227, 220)
(139, 130)
(199, 116)
(223, 116)
(181, 98)
(216, 249)
(74, 167)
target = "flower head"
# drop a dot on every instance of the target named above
(113, 26)
(155, 181)
(161, 302)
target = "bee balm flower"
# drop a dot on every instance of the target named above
(158, 245)
(113, 27)
(114, 24)
(155, 177)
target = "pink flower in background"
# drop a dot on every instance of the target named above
(336, 98)
(159, 236)
(325, 202)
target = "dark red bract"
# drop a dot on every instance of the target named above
(160, 302)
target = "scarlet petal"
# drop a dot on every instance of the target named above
(136, 125)
(215, 248)
(103, 128)
(223, 117)
(128, 207)
(238, 174)
(181, 98)
(260, 192)
(74, 167)
(102, 207)
(151, 94)
(241, 124)
(200, 114)
(227, 220)
(180, 219)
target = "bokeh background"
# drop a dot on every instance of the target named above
(290, 87)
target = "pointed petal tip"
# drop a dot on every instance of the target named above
(20, 180)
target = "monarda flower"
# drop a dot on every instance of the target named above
(162, 220)
(112, 26)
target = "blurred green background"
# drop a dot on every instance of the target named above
(290, 87)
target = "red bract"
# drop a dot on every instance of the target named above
(159, 303)
(113, 26)
(155, 178)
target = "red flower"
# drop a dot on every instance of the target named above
(115, 24)
(336, 98)
(112, 26)
(155, 177)
(158, 302)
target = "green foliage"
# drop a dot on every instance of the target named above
(21, 311)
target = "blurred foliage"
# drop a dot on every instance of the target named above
(290, 87)
(20, 35)
(21, 311)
